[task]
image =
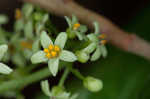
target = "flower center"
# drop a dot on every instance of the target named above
(18, 14)
(76, 26)
(102, 37)
(52, 51)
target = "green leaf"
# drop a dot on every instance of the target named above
(3, 19)
(103, 51)
(90, 48)
(53, 65)
(4, 69)
(3, 50)
(67, 56)
(39, 57)
(68, 21)
(96, 55)
(28, 29)
(61, 40)
(45, 88)
(45, 40)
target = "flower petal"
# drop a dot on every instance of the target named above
(45, 40)
(96, 55)
(90, 48)
(4, 69)
(53, 65)
(28, 29)
(103, 51)
(68, 21)
(38, 57)
(61, 40)
(93, 38)
(96, 25)
(67, 56)
(45, 88)
(3, 50)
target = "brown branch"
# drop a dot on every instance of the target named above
(116, 36)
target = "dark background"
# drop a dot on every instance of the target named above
(125, 76)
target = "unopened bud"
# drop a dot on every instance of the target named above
(93, 84)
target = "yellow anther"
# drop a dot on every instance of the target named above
(51, 47)
(48, 55)
(18, 14)
(103, 42)
(76, 26)
(56, 48)
(46, 50)
(53, 53)
(102, 36)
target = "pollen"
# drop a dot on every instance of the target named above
(103, 42)
(102, 36)
(51, 47)
(76, 26)
(46, 50)
(56, 48)
(53, 53)
(18, 14)
(48, 55)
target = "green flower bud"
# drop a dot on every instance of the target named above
(71, 34)
(57, 90)
(93, 84)
(82, 56)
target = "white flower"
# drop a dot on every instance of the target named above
(53, 52)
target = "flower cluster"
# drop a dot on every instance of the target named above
(35, 41)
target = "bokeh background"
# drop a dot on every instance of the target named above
(125, 76)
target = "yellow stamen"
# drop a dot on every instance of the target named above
(53, 53)
(76, 26)
(18, 14)
(46, 50)
(56, 48)
(103, 42)
(48, 55)
(51, 47)
(102, 36)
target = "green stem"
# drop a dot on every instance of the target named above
(63, 78)
(22, 82)
(27, 80)
(76, 73)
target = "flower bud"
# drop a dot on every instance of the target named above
(57, 90)
(71, 34)
(93, 84)
(82, 56)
